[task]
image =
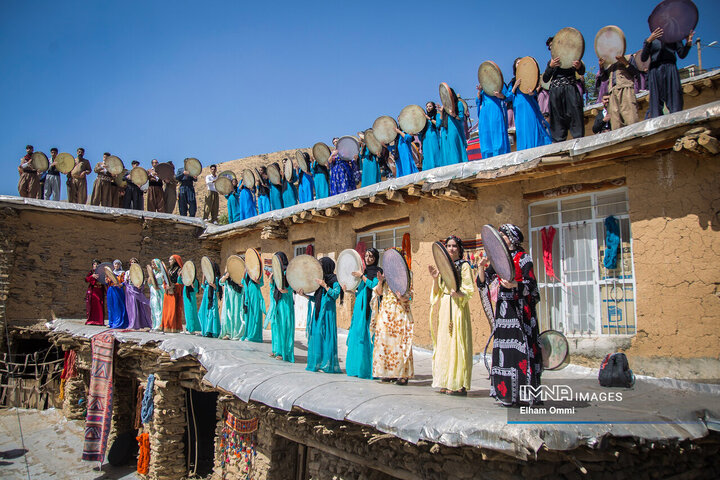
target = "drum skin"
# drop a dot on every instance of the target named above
(277, 271)
(555, 350)
(109, 275)
(188, 273)
(412, 119)
(447, 97)
(274, 174)
(207, 269)
(528, 72)
(321, 153)
(348, 261)
(497, 252)
(253, 264)
(303, 160)
(193, 166)
(446, 267)
(609, 44)
(223, 185)
(490, 78)
(396, 271)
(302, 273)
(114, 165)
(288, 169)
(65, 162)
(165, 171)
(248, 178)
(348, 148)
(569, 45)
(139, 176)
(229, 174)
(677, 18)
(372, 143)
(100, 271)
(164, 273)
(384, 129)
(119, 179)
(151, 277)
(235, 266)
(39, 161)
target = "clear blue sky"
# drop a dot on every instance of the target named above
(220, 80)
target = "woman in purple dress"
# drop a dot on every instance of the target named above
(136, 304)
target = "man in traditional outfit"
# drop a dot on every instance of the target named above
(52, 180)
(29, 183)
(212, 199)
(102, 193)
(186, 198)
(621, 87)
(156, 196)
(170, 193)
(133, 198)
(77, 183)
(566, 102)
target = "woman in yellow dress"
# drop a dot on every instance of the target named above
(452, 354)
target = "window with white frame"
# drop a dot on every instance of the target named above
(299, 248)
(384, 239)
(583, 297)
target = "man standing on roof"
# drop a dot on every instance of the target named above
(28, 185)
(186, 198)
(621, 88)
(212, 199)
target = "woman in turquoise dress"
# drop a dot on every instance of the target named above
(254, 307)
(156, 295)
(322, 322)
(231, 317)
(492, 122)
(359, 360)
(532, 130)
(233, 203)
(289, 190)
(306, 187)
(192, 322)
(281, 316)
(209, 312)
(321, 176)
(370, 167)
(263, 192)
(431, 138)
(452, 142)
(276, 199)
(405, 164)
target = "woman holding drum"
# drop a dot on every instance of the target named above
(289, 190)
(263, 192)
(306, 187)
(172, 315)
(405, 164)
(95, 297)
(233, 203)
(531, 128)
(117, 314)
(452, 355)
(246, 202)
(209, 312)
(137, 304)
(452, 128)
(358, 362)
(231, 317)
(492, 113)
(516, 355)
(281, 314)
(368, 163)
(254, 302)
(191, 287)
(157, 294)
(430, 138)
(342, 173)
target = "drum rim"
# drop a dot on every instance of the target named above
(138, 169)
(256, 254)
(575, 30)
(324, 146)
(169, 168)
(451, 109)
(369, 132)
(225, 179)
(448, 258)
(302, 160)
(392, 251)
(254, 179)
(62, 155)
(496, 68)
(295, 260)
(206, 263)
(109, 272)
(187, 281)
(495, 235)
(279, 172)
(410, 108)
(688, 3)
(192, 160)
(44, 157)
(375, 130)
(288, 164)
(353, 253)
(616, 29)
(100, 270)
(233, 259)
(111, 159)
(276, 258)
(344, 138)
(537, 66)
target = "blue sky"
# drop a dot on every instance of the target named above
(220, 80)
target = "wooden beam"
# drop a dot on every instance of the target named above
(305, 215)
(415, 191)
(395, 196)
(691, 90)
(709, 143)
(296, 219)
(317, 216)
(359, 203)
(377, 200)
(332, 212)
(346, 207)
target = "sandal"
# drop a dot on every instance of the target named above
(458, 393)
(444, 390)
(401, 381)
(278, 357)
(388, 380)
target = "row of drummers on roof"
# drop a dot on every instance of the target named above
(380, 338)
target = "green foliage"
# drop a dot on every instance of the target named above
(590, 78)
(223, 219)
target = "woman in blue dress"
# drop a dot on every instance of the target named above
(492, 122)
(192, 322)
(532, 130)
(276, 201)
(322, 352)
(342, 174)
(321, 180)
(263, 192)
(281, 316)
(117, 312)
(289, 190)
(405, 164)
(209, 312)
(452, 135)
(359, 360)
(247, 203)
(254, 306)
(369, 166)
(306, 185)
(233, 203)
(431, 139)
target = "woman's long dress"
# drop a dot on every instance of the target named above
(233, 206)
(276, 202)
(493, 125)
(358, 362)
(305, 187)
(263, 204)
(247, 204)
(281, 316)
(231, 317)
(452, 142)
(94, 301)
(342, 176)
(393, 326)
(254, 305)
(322, 333)
(452, 356)
(137, 306)
(172, 314)
(209, 312)
(289, 195)
(516, 357)
(320, 180)
(531, 129)
(117, 314)
(156, 304)
(405, 165)
(192, 322)
(431, 145)
(370, 168)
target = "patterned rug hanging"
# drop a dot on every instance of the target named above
(237, 444)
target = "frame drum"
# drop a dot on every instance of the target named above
(301, 273)
(528, 72)
(569, 45)
(490, 78)
(396, 271)
(609, 44)
(136, 275)
(348, 148)
(555, 350)
(165, 171)
(65, 162)
(164, 273)
(39, 161)
(223, 185)
(384, 129)
(229, 174)
(188, 273)
(274, 175)
(248, 178)
(412, 119)
(193, 166)
(110, 276)
(288, 170)
(151, 277)
(277, 270)
(372, 143)
(348, 261)
(321, 153)
(465, 106)
(100, 271)
(114, 165)
(448, 99)
(642, 66)
(497, 252)
(139, 176)
(253, 264)
(119, 179)
(303, 160)
(677, 18)
(207, 270)
(235, 266)
(446, 267)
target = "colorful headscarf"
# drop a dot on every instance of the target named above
(178, 260)
(514, 233)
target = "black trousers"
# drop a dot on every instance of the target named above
(186, 201)
(566, 112)
(133, 198)
(665, 89)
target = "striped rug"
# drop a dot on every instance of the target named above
(473, 149)
(99, 401)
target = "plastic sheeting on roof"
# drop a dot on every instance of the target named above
(417, 412)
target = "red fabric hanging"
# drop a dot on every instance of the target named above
(406, 249)
(309, 250)
(548, 236)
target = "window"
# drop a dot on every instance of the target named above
(583, 297)
(299, 249)
(384, 239)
